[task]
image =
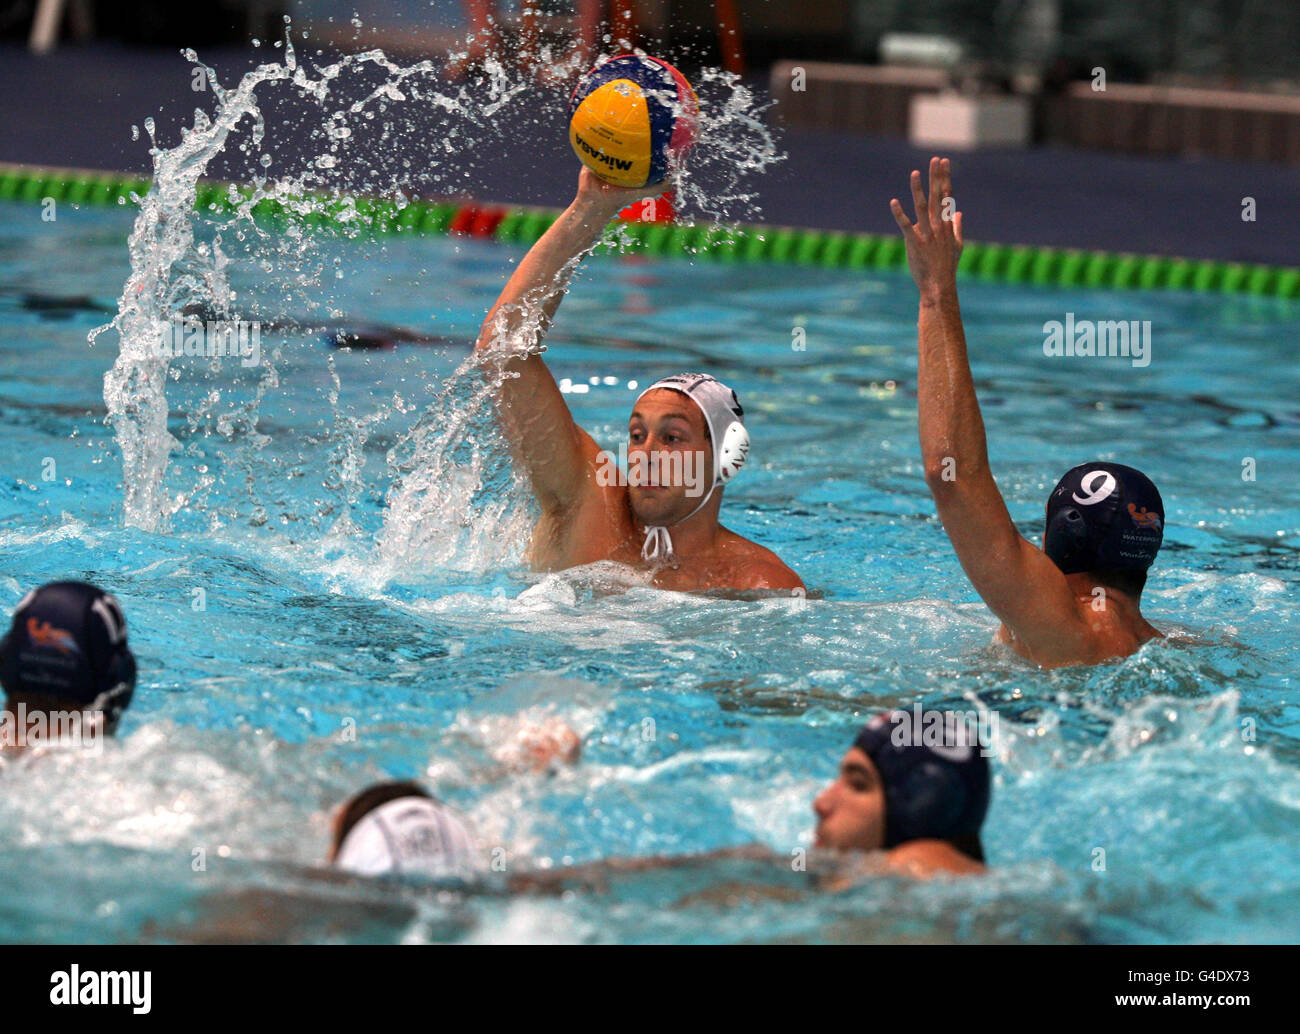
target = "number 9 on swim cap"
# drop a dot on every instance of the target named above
(632, 119)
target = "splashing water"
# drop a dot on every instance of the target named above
(453, 501)
(456, 503)
(735, 147)
(160, 285)
(134, 389)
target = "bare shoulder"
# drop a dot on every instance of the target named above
(925, 858)
(1112, 631)
(762, 568)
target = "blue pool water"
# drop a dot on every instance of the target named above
(334, 600)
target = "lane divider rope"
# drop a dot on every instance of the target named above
(994, 263)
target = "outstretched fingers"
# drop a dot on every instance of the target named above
(918, 200)
(945, 177)
(931, 213)
(900, 217)
(940, 187)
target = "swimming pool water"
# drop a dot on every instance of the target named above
(705, 722)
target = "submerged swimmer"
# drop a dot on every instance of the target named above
(666, 520)
(390, 843)
(388, 831)
(1075, 600)
(65, 666)
(399, 828)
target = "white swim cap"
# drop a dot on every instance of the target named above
(725, 418)
(415, 836)
(722, 412)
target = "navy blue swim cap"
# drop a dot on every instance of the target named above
(936, 779)
(1104, 517)
(68, 643)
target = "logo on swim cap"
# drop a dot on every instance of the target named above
(42, 633)
(1095, 492)
(1144, 518)
(68, 642)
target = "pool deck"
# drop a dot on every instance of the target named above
(75, 108)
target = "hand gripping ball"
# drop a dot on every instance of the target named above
(632, 119)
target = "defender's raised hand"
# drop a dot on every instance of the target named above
(934, 243)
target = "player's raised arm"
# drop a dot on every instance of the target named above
(1020, 584)
(536, 418)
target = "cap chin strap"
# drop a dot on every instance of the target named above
(658, 543)
(731, 449)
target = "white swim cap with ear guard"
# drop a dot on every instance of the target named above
(725, 418)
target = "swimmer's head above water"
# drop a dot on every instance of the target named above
(689, 418)
(398, 829)
(1107, 520)
(893, 789)
(66, 652)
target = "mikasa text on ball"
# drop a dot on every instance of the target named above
(631, 119)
